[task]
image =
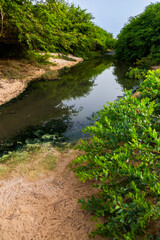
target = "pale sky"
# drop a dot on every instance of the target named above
(111, 15)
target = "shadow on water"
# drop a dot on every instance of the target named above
(49, 109)
(119, 71)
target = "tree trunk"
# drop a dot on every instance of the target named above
(2, 19)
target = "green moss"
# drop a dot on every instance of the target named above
(32, 160)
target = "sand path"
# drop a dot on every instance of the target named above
(45, 208)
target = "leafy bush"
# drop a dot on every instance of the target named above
(139, 39)
(136, 73)
(53, 26)
(122, 158)
(151, 85)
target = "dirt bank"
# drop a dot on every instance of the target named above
(46, 207)
(15, 75)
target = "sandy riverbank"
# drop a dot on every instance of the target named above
(12, 85)
(37, 203)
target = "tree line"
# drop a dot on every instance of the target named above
(139, 40)
(53, 26)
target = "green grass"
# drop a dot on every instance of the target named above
(32, 161)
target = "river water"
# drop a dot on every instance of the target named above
(63, 106)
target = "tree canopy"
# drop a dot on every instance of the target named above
(54, 26)
(140, 38)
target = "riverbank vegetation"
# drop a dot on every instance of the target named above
(138, 41)
(122, 160)
(28, 27)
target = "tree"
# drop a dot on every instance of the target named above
(53, 26)
(140, 38)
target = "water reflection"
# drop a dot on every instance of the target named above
(119, 72)
(62, 106)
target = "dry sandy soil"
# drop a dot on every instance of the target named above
(46, 207)
(11, 87)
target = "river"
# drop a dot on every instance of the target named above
(62, 107)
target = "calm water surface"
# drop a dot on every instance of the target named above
(65, 105)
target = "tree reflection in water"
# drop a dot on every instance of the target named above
(40, 109)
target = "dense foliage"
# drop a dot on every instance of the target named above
(140, 38)
(122, 160)
(54, 26)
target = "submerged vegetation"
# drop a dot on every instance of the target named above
(50, 26)
(138, 42)
(122, 159)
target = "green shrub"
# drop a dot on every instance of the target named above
(136, 73)
(122, 158)
(151, 85)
